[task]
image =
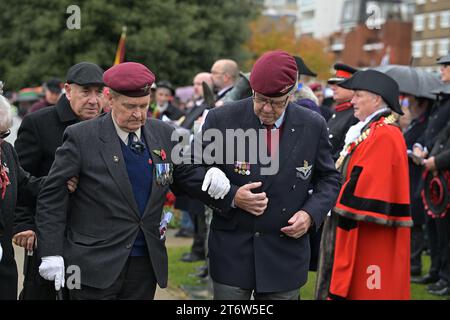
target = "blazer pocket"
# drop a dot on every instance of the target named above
(86, 240)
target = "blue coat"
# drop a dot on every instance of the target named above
(251, 252)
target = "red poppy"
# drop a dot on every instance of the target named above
(163, 154)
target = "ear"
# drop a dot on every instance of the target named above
(68, 90)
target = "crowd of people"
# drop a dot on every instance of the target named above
(360, 195)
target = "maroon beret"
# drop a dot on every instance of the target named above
(130, 79)
(274, 74)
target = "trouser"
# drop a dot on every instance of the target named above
(8, 272)
(198, 245)
(226, 292)
(417, 247)
(136, 281)
(437, 230)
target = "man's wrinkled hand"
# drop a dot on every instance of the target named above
(254, 203)
(25, 239)
(72, 184)
(299, 224)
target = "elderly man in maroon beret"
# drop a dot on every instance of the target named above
(112, 228)
(260, 245)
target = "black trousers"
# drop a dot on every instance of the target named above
(417, 247)
(136, 282)
(8, 272)
(438, 235)
(197, 212)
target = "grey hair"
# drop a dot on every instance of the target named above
(6, 119)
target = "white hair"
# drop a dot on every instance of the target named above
(6, 119)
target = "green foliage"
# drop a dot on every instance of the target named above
(174, 38)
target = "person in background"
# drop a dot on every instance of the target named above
(52, 92)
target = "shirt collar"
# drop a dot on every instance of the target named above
(123, 135)
(224, 90)
(279, 122)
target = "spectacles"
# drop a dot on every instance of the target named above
(4, 134)
(274, 104)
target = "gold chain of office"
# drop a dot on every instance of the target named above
(363, 136)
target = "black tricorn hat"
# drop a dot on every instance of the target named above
(378, 83)
(303, 68)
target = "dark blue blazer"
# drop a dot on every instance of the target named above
(251, 252)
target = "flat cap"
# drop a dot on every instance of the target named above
(85, 73)
(274, 74)
(343, 72)
(444, 59)
(131, 79)
(303, 68)
(378, 83)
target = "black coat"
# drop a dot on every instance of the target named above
(415, 130)
(22, 189)
(440, 114)
(39, 135)
(338, 126)
(441, 149)
(251, 252)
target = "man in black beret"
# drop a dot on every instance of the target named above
(40, 134)
(260, 245)
(113, 227)
(365, 244)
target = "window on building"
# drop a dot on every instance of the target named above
(421, 1)
(443, 46)
(445, 19)
(430, 48)
(432, 21)
(419, 22)
(417, 49)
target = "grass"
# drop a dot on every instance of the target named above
(180, 275)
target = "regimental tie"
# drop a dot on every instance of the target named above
(269, 128)
(135, 145)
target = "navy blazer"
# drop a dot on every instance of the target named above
(249, 251)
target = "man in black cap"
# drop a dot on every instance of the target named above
(40, 134)
(343, 117)
(260, 245)
(365, 244)
(431, 147)
(52, 92)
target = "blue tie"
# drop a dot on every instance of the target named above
(135, 144)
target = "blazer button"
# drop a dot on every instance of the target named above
(293, 187)
(129, 246)
(283, 210)
(330, 136)
(257, 234)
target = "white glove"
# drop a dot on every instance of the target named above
(1, 252)
(52, 269)
(218, 183)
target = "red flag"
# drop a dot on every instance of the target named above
(120, 53)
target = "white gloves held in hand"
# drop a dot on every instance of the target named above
(52, 269)
(218, 183)
(1, 252)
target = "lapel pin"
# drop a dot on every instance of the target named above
(116, 158)
(293, 130)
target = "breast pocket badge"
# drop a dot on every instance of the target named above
(164, 173)
(305, 171)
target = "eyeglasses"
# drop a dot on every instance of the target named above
(4, 134)
(274, 104)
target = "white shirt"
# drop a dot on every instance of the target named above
(123, 135)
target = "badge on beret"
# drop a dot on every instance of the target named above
(305, 171)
